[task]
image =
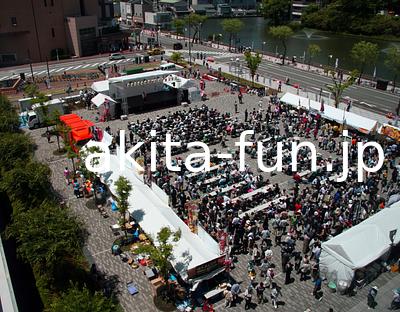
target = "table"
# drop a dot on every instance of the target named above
(150, 274)
(213, 294)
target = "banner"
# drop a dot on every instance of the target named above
(391, 132)
(192, 209)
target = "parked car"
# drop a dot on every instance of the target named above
(178, 46)
(156, 51)
(116, 56)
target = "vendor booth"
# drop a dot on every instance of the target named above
(357, 122)
(361, 248)
(105, 105)
(195, 257)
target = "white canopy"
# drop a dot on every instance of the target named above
(362, 124)
(100, 98)
(152, 213)
(177, 82)
(361, 244)
(100, 86)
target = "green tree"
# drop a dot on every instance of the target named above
(162, 254)
(282, 33)
(179, 25)
(123, 189)
(252, 63)
(14, 147)
(364, 53)
(339, 86)
(27, 183)
(313, 50)
(46, 236)
(392, 61)
(176, 57)
(278, 11)
(83, 300)
(9, 121)
(195, 21)
(232, 26)
(31, 90)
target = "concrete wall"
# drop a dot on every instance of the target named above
(74, 25)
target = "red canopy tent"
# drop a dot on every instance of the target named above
(65, 118)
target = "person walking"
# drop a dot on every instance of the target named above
(317, 288)
(66, 175)
(246, 115)
(236, 108)
(260, 292)
(289, 269)
(275, 293)
(240, 97)
(280, 86)
(48, 136)
(371, 298)
(77, 187)
(228, 297)
(248, 294)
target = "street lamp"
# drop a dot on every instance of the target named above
(219, 36)
(237, 67)
(230, 65)
(263, 44)
(329, 59)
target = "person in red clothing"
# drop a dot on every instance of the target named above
(297, 178)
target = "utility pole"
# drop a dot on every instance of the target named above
(190, 49)
(47, 65)
(30, 65)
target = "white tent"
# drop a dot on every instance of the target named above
(100, 98)
(360, 123)
(152, 213)
(360, 245)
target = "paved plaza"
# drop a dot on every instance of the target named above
(297, 296)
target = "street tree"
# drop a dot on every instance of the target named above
(123, 189)
(282, 33)
(14, 146)
(31, 90)
(195, 21)
(277, 11)
(364, 53)
(252, 63)
(339, 85)
(176, 57)
(9, 120)
(393, 63)
(45, 235)
(179, 25)
(232, 26)
(82, 299)
(161, 254)
(313, 50)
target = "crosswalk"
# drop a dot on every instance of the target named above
(66, 68)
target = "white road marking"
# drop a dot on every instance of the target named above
(111, 62)
(76, 67)
(120, 61)
(42, 72)
(95, 64)
(86, 66)
(60, 69)
(69, 68)
(52, 70)
(5, 78)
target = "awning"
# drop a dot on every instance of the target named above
(196, 281)
(100, 98)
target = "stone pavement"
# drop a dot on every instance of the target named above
(296, 296)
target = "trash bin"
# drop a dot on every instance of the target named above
(382, 84)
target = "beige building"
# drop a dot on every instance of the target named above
(33, 30)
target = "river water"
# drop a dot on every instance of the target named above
(255, 33)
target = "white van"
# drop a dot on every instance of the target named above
(167, 66)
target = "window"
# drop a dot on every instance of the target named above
(8, 58)
(14, 21)
(45, 3)
(53, 34)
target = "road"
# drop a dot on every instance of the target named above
(368, 98)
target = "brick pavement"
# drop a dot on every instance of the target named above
(296, 296)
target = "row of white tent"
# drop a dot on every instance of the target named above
(360, 123)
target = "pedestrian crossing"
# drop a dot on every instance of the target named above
(215, 54)
(69, 67)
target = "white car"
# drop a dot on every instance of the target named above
(116, 56)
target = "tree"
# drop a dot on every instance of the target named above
(278, 11)
(31, 90)
(9, 121)
(123, 188)
(393, 63)
(81, 299)
(282, 33)
(162, 254)
(194, 21)
(176, 57)
(339, 85)
(28, 182)
(178, 24)
(46, 235)
(364, 53)
(13, 147)
(313, 50)
(232, 26)
(253, 61)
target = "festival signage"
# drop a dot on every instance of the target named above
(391, 132)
